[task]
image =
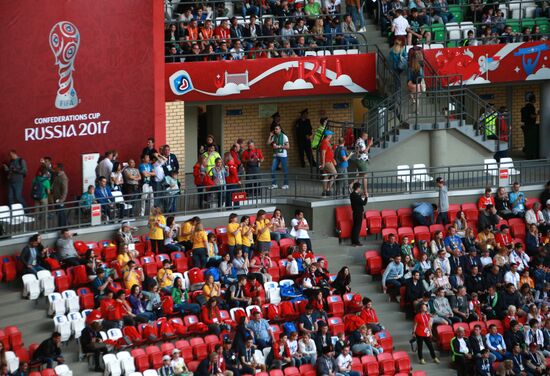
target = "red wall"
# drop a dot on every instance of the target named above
(118, 73)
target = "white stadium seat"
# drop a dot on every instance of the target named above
(31, 286)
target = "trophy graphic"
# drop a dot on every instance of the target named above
(64, 42)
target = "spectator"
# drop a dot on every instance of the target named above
(210, 366)
(165, 276)
(252, 159)
(263, 334)
(390, 249)
(461, 307)
(16, 171)
(116, 179)
(278, 226)
(304, 133)
(104, 197)
(326, 364)
(535, 216)
(442, 281)
(156, 224)
(307, 348)
(532, 240)
(247, 235)
(60, 189)
(327, 163)
(299, 228)
(342, 163)
(147, 175)
(210, 315)
(488, 218)
(422, 331)
(486, 199)
(362, 147)
(443, 201)
(461, 352)
(443, 313)
(399, 26)
(496, 344)
(232, 180)
(66, 250)
(280, 145)
(87, 200)
(248, 361)
(453, 241)
(519, 258)
(517, 200)
(414, 290)
(415, 80)
(342, 283)
(157, 180)
(416, 31)
(30, 255)
(49, 351)
(461, 224)
(502, 204)
(398, 57)
(344, 362)
(166, 369)
(40, 190)
(133, 275)
(392, 279)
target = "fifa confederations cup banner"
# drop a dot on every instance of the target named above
(79, 76)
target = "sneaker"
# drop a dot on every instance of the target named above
(284, 187)
(274, 186)
(362, 30)
(422, 361)
(436, 360)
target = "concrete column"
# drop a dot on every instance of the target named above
(438, 148)
(544, 101)
(191, 137)
(175, 134)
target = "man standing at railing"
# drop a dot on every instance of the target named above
(279, 142)
(16, 170)
(355, 10)
(60, 188)
(443, 200)
(304, 132)
(358, 200)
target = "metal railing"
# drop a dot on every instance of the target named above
(259, 194)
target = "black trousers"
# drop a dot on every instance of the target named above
(304, 147)
(463, 366)
(356, 229)
(428, 341)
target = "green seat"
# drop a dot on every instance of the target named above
(438, 32)
(527, 23)
(456, 11)
(452, 43)
(543, 24)
(515, 25)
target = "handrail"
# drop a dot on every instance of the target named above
(303, 185)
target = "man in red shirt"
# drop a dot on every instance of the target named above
(503, 238)
(486, 199)
(232, 180)
(251, 158)
(327, 163)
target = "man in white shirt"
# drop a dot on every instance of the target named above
(332, 6)
(400, 26)
(279, 143)
(299, 228)
(105, 167)
(344, 361)
(158, 162)
(512, 276)
(519, 257)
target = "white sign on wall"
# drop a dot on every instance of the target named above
(89, 163)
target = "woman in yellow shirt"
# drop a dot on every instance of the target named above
(157, 223)
(211, 289)
(186, 232)
(247, 235)
(263, 228)
(123, 257)
(234, 239)
(200, 246)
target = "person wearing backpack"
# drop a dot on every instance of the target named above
(398, 57)
(40, 189)
(342, 157)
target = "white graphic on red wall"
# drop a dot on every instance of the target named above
(64, 42)
(301, 74)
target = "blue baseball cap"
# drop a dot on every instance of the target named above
(328, 132)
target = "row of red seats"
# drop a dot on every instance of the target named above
(376, 221)
(11, 338)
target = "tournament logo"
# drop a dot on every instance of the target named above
(180, 82)
(64, 42)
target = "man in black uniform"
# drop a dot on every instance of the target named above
(231, 358)
(304, 133)
(358, 200)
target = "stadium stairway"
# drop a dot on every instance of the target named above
(339, 255)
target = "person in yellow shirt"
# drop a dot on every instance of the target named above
(234, 238)
(263, 228)
(186, 232)
(157, 223)
(165, 277)
(123, 257)
(247, 235)
(200, 246)
(211, 289)
(133, 276)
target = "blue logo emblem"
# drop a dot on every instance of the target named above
(180, 82)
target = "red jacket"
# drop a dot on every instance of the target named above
(210, 319)
(277, 350)
(233, 177)
(369, 316)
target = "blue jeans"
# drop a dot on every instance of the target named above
(284, 164)
(15, 193)
(356, 15)
(188, 307)
(262, 343)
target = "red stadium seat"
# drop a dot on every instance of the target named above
(498, 324)
(387, 231)
(200, 349)
(86, 298)
(385, 340)
(343, 213)
(23, 355)
(61, 280)
(193, 365)
(291, 371)
(186, 350)
(159, 259)
(405, 231)
(374, 221)
(389, 218)
(9, 268)
(285, 244)
(78, 275)
(422, 233)
(419, 373)
(276, 372)
(141, 360)
(167, 347)
(451, 213)
(373, 262)
(436, 227)
(350, 305)
(470, 210)
(275, 251)
(370, 365)
(402, 362)
(405, 217)
(444, 335)
(211, 341)
(180, 261)
(386, 364)
(15, 337)
(335, 325)
(531, 201)
(480, 323)
(356, 365)
(335, 305)
(344, 221)
(149, 266)
(109, 253)
(518, 230)
(48, 372)
(155, 356)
